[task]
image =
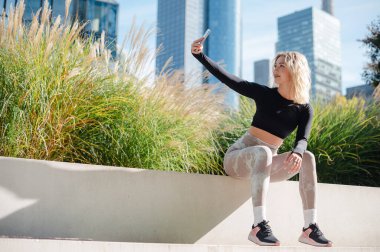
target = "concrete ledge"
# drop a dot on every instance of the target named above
(44, 199)
(35, 245)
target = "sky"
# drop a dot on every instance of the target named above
(259, 21)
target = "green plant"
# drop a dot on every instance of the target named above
(62, 98)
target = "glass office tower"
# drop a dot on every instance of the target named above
(224, 43)
(327, 6)
(316, 34)
(176, 31)
(171, 31)
(102, 15)
(180, 22)
(105, 19)
(5, 5)
(262, 71)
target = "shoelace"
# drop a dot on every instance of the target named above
(265, 227)
(316, 229)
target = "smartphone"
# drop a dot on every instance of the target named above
(207, 32)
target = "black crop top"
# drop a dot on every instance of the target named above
(274, 114)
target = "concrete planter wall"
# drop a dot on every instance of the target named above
(44, 199)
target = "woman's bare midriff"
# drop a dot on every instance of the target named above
(265, 136)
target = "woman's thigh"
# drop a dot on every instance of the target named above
(245, 162)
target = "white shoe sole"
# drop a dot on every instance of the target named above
(309, 241)
(258, 242)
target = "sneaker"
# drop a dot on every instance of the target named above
(262, 235)
(313, 236)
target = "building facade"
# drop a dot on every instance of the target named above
(180, 22)
(316, 34)
(262, 71)
(327, 6)
(102, 14)
(105, 18)
(364, 91)
(224, 43)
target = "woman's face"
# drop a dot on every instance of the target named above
(281, 73)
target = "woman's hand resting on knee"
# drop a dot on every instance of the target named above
(295, 160)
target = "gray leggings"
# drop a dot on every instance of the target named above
(251, 158)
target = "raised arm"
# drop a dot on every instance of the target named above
(243, 87)
(219, 72)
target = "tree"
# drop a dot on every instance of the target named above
(371, 74)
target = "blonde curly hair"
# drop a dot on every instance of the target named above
(300, 75)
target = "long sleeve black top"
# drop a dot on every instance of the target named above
(274, 114)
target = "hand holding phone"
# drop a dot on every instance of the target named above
(197, 45)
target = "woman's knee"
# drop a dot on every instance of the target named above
(262, 154)
(308, 177)
(308, 157)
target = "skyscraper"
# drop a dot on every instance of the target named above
(172, 32)
(316, 34)
(327, 6)
(102, 15)
(180, 22)
(365, 91)
(5, 5)
(224, 44)
(262, 71)
(104, 18)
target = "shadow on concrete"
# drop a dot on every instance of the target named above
(114, 204)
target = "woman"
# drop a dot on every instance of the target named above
(254, 155)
